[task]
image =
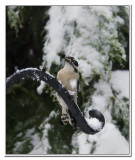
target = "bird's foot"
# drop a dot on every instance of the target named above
(72, 121)
(65, 119)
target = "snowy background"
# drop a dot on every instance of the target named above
(97, 37)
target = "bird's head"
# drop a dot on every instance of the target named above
(71, 61)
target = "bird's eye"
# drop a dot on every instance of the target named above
(75, 63)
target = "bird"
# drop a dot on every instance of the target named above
(68, 76)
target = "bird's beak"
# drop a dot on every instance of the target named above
(68, 59)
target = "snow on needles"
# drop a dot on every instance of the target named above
(43, 144)
(120, 82)
(109, 140)
(78, 33)
(90, 35)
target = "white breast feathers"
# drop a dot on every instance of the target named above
(73, 83)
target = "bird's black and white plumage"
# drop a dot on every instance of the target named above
(68, 76)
